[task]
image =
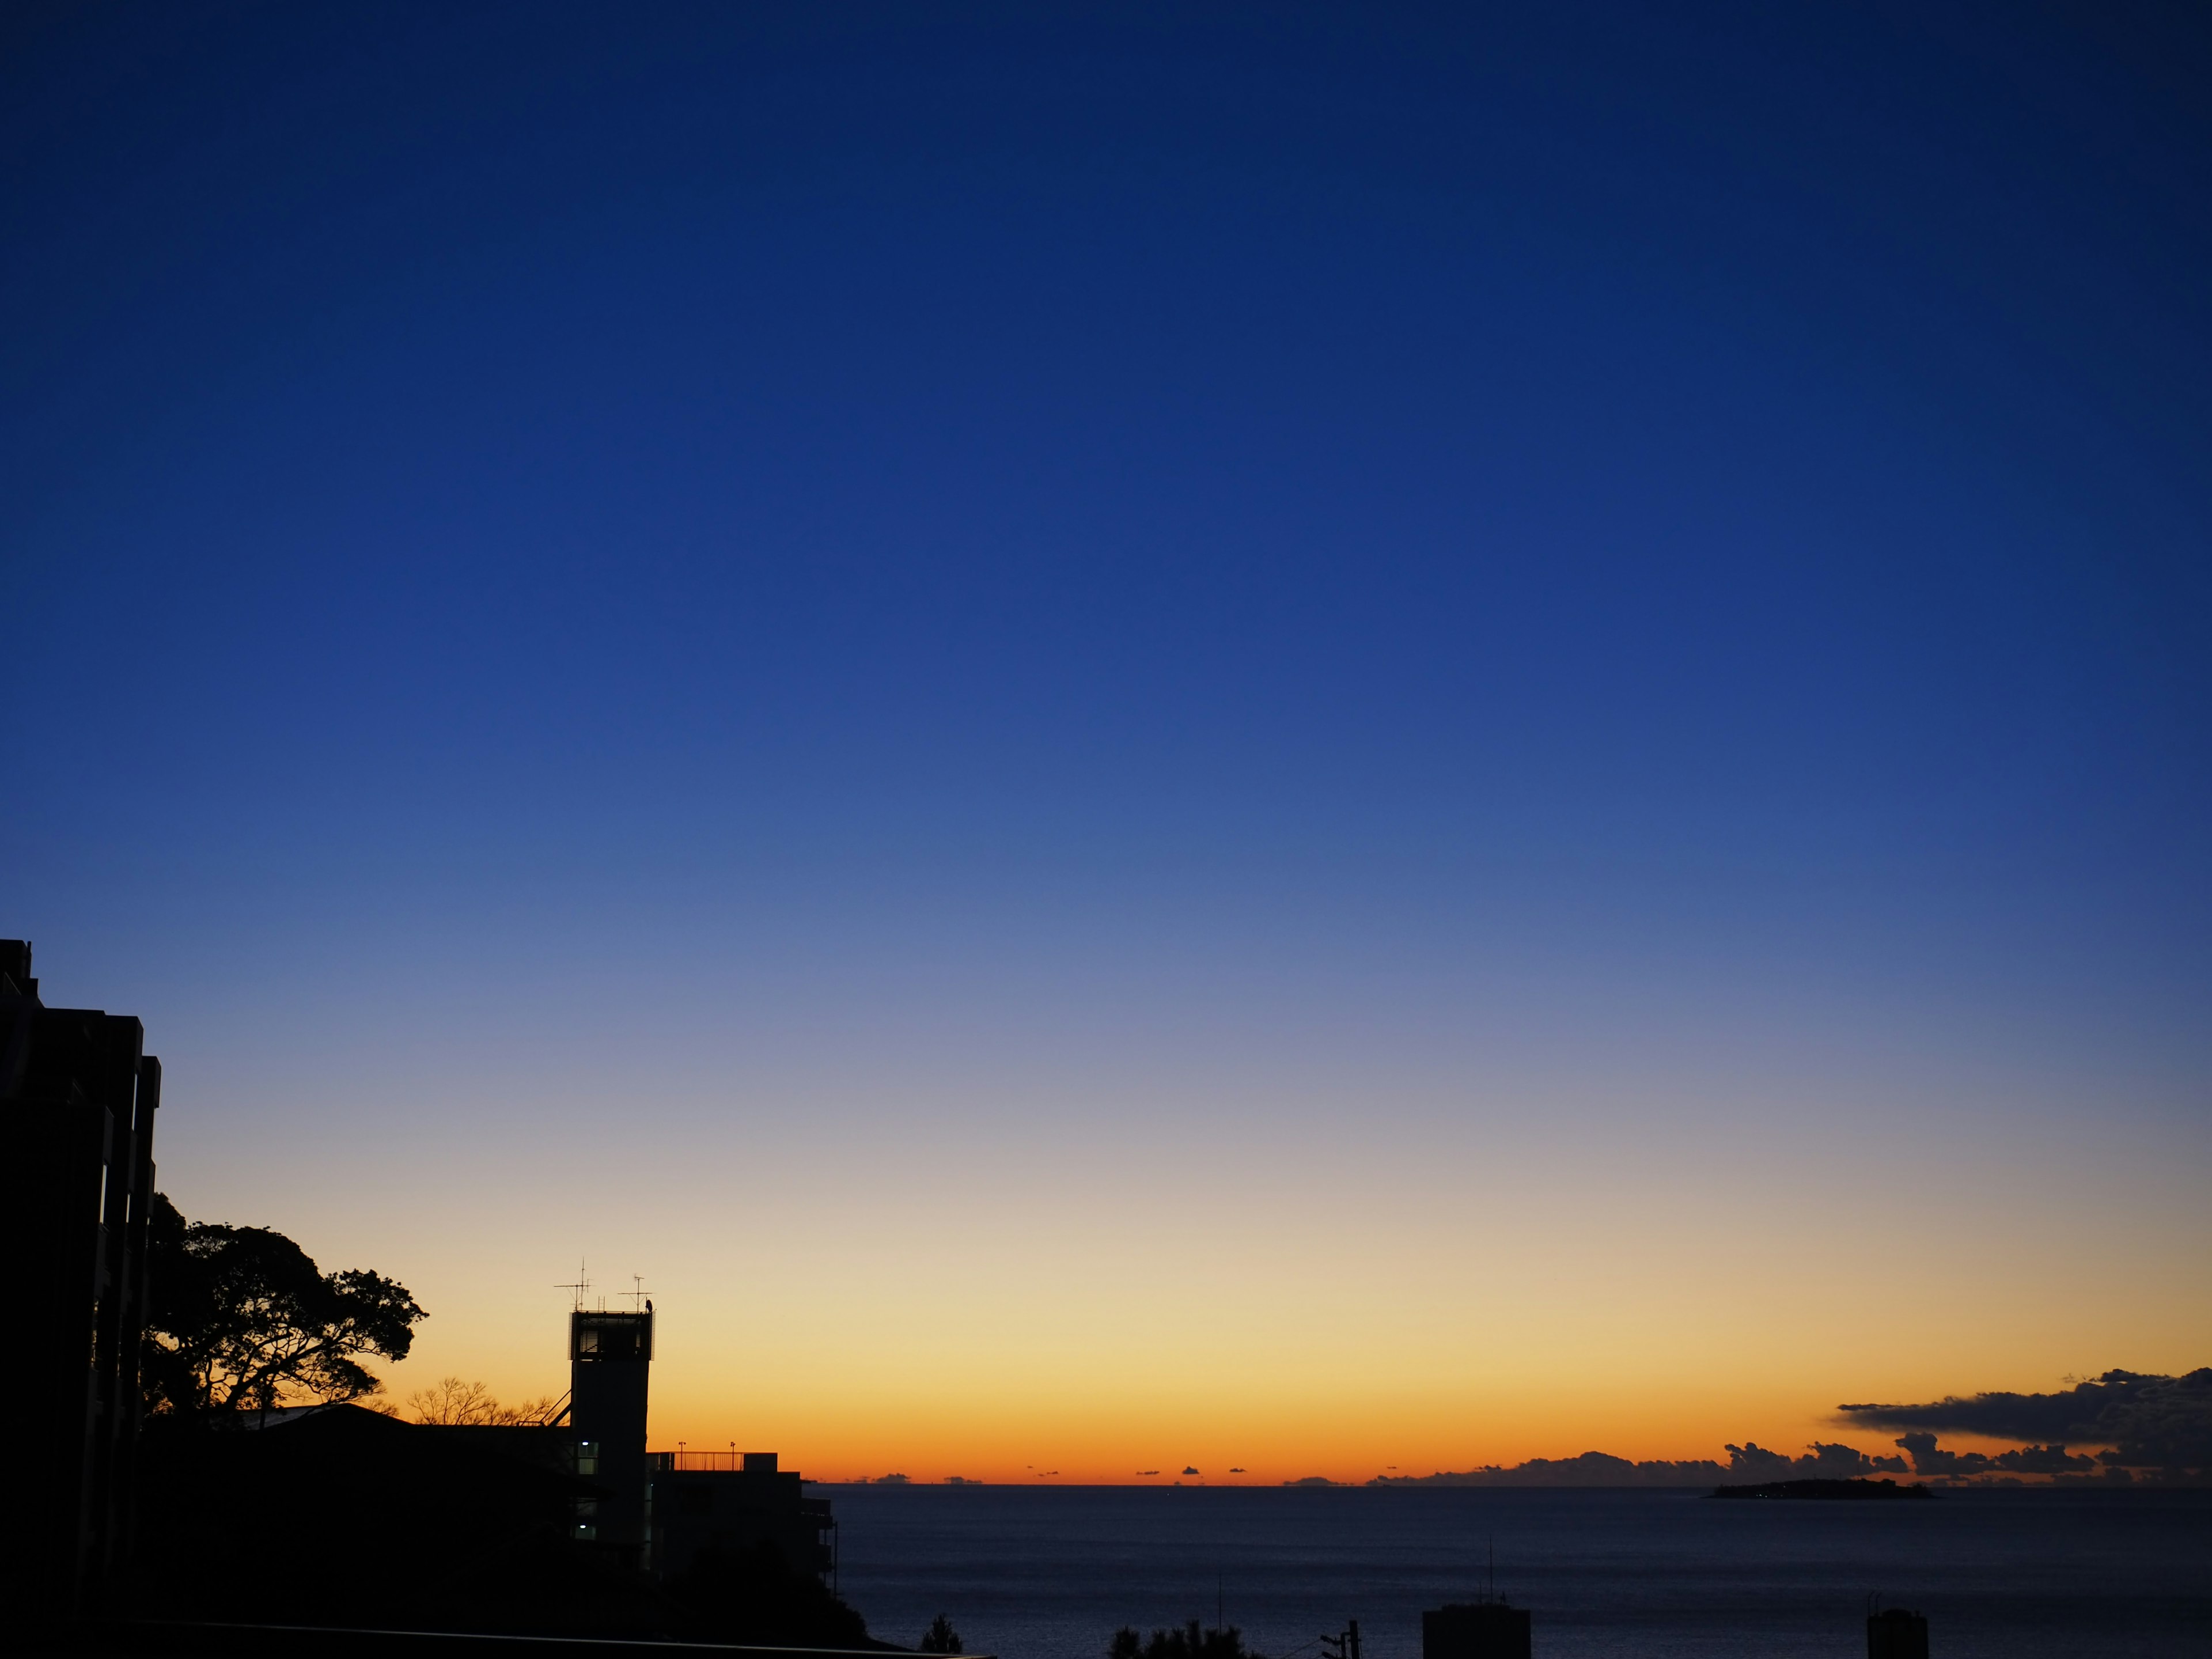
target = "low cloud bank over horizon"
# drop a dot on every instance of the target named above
(2141, 1427)
(2153, 1425)
(1750, 1462)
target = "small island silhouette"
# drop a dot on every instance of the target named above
(1846, 1490)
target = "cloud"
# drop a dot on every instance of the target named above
(2163, 1423)
(2041, 1460)
(1928, 1458)
(2072, 1414)
(2158, 1425)
(2168, 1428)
(1753, 1461)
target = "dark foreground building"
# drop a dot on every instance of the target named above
(701, 1503)
(1894, 1633)
(77, 1098)
(1476, 1630)
(610, 1363)
(338, 1515)
(664, 1510)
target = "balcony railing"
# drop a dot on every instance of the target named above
(667, 1462)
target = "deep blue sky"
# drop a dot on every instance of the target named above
(1654, 554)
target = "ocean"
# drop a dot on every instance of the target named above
(1050, 1572)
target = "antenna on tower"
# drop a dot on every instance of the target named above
(637, 1293)
(583, 1283)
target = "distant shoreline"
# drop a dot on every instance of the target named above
(1910, 1490)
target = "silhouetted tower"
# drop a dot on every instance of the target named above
(1896, 1634)
(609, 1355)
(77, 1095)
(1478, 1630)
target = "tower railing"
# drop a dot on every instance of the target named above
(668, 1463)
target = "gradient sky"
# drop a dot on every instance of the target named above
(1294, 739)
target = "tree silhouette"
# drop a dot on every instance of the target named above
(240, 1317)
(451, 1400)
(940, 1637)
(1213, 1642)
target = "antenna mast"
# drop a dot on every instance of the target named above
(583, 1283)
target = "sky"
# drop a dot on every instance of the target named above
(1302, 739)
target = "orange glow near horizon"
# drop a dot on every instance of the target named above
(1407, 1315)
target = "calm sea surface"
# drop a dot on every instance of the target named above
(1032, 1573)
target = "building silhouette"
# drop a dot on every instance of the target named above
(662, 1510)
(1894, 1633)
(610, 1363)
(1475, 1630)
(77, 1095)
(712, 1501)
(338, 1515)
